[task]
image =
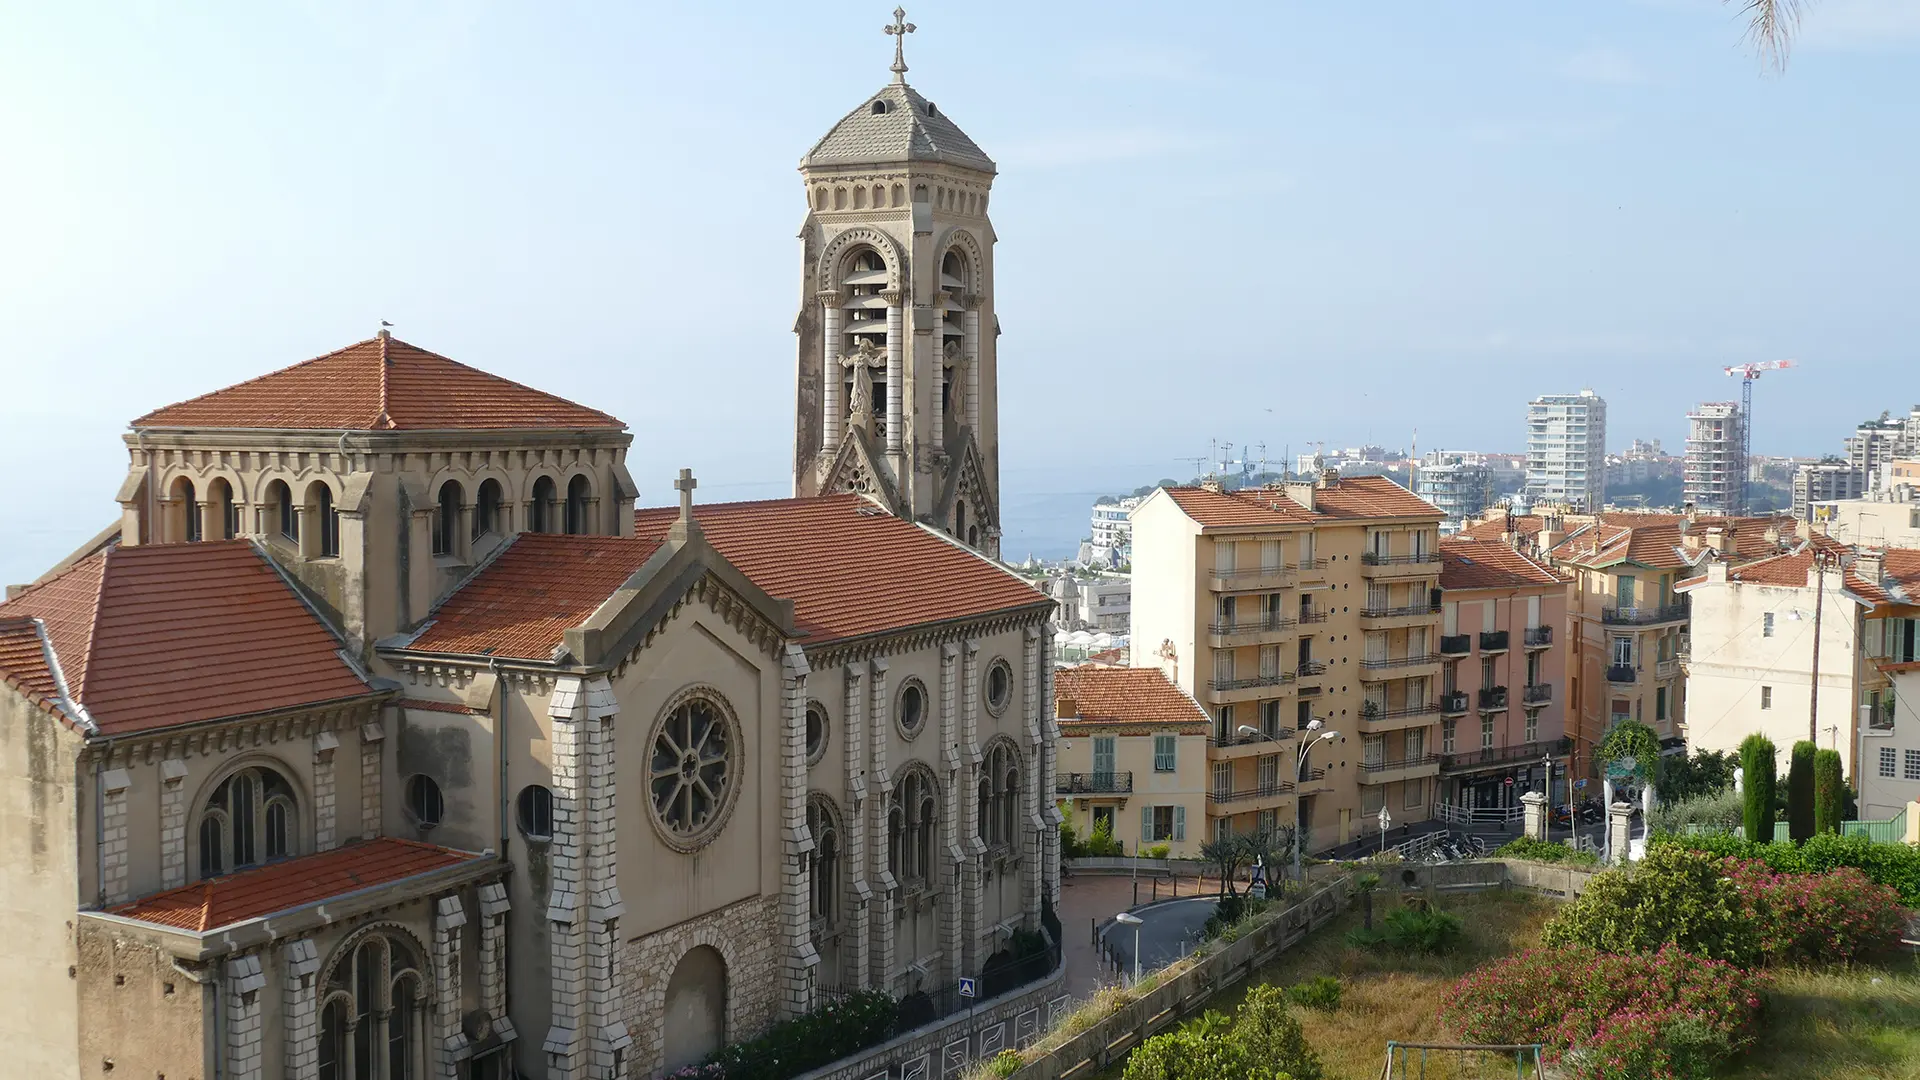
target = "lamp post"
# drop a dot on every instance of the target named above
(1128, 918)
(1386, 822)
(1299, 778)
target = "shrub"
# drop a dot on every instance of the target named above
(1424, 932)
(1102, 844)
(1757, 765)
(1004, 1064)
(1664, 1016)
(1155, 851)
(1674, 896)
(1321, 992)
(1833, 917)
(1271, 1034)
(1526, 847)
(1262, 1042)
(1896, 865)
(1721, 812)
(1070, 844)
(829, 1033)
(1827, 791)
(1800, 792)
(1185, 1055)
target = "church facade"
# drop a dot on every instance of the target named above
(385, 737)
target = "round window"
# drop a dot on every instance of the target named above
(535, 807)
(816, 731)
(999, 685)
(913, 707)
(424, 804)
(691, 774)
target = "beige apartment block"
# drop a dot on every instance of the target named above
(1132, 754)
(1280, 606)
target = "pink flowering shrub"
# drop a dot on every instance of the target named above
(1667, 1015)
(1837, 917)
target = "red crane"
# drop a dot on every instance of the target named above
(1748, 373)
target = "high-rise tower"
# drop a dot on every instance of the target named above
(896, 387)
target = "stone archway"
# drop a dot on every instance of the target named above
(695, 1017)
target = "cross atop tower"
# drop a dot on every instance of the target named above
(898, 30)
(685, 486)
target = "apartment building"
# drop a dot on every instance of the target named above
(1755, 631)
(1132, 757)
(1458, 483)
(1283, 605)
(1826, 481)
(1567, 450)
(1716, 469)
(1503, 681)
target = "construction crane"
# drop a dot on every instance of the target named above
(1748, 373)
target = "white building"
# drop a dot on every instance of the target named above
(1892, 742)
(1112, 535)
(1716, 476)
(1100, 603)
(1567, 450)
(1825, 482)
(1459, 483)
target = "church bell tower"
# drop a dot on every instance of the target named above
(896, 394)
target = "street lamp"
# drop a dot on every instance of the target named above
(1128, 918)
(1386, 822)
(1299, 778)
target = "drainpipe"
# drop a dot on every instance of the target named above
(100, 829)
(204, 978)
(500, 745)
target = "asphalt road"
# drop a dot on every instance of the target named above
(1167, 931)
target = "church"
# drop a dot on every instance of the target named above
(385, 736)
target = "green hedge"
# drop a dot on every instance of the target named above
(1526, 847)
(835, 1030)
(1897, 865)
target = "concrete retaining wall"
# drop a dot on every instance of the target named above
(947, 1048)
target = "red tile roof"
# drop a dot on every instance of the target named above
(158, 635)
(1490, 564)
(1496, 528)
(380, 384)
(1370, 497)
(849, 568)
(1114, 695)
(23, 663)
(295, 883)
(1659, 547)
(521, 603)
(1247, 506)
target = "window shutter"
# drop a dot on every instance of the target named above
(1146, 828)
(1179, 823)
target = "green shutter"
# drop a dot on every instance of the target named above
(1146, 828)
(1179, 824)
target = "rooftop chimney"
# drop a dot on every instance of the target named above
(1870, 564)
(1329, 477)
(1211, 483)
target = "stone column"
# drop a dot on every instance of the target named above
(449, 1041)
(853, 962)
(605, 908)
(880, 789)
(1033, 859)
(244, 981)
(972, 899)
(213, 521)
(972, 352)
(300, 1020)
(955, 858)
(373, 736)
(494, 906)
(566, 1041)
(830, 407)
(325, 743)
(938, 437)
(113, 835)
(800, 960)
(173, 823)
(896, 370)
(1533, 806)
(309, 518)
(1619, 831)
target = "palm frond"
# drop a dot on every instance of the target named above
(1771, 25)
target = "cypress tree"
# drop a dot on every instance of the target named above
(1757, 769)
(1800, 792)
(1828, 791)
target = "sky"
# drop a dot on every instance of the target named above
(1271, 223)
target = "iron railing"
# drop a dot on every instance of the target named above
(1537, 693)
(1493, 641)
(1454, 701)
(1456, 644)
(1502, 755)
(1414, 660)
(1222, 685)
(1621, 673)
(1399, 612)
(1312, 667)
(1253, 571)
(1641, 616)
(1258, 791)
(1256, 625)
(1539, 637)
(1313, 616)
(1093, 783)
(1370, 711)
(1370, 559)
(1493, 697)
(1399, 763)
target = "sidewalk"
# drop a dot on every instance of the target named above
(1088, 900)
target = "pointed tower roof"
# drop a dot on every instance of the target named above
(894, 126)
(380, 384)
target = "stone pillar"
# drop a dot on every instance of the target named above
(213, 520)
(1050, 815)
(309, 518)
(173, 823)
(830, 407)
(955, 859)
(325, 743)
(1619, 831)
(113, 835)
(566, 1041)
(244, 981)
(300, 1020)
(605, 908)
(800, 961)
(1533, 807)
(853, 962)
(972, 899)
(494, 906)
(938, 437)
(880, 790)
(373, 736)
(972, 345)
(1032, 860)
(449, 1042)
(896, 371)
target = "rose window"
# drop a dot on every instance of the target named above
(692, 768)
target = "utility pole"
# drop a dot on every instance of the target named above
(1819, 596)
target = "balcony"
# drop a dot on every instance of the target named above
(1418, 714)
(1250, 578)
(1387, 618)
(1314, 782)
(1394, 567)
(1310, 668)
(1093, 783)
(1228, 691)
(1311, 569)
(1400, 667)
(1497, 757)
(1279, 789)
(1667, 669)
(1453, 703)
(1537, 693)
(1492, 698)
(1456, 645)
(1539, 637)
(1243, 743)
(1390, 771)
(1621, 673)
(1643, 616)
(1310, 617)
(1493, 641)
(1252, 630)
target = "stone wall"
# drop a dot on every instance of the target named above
(740, 934)
(949, 1047)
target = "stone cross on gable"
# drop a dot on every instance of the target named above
(898, 30)
(685, 486)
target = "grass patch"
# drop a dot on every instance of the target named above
(1840, 1025)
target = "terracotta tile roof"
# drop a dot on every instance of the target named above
(1496, 528)
(1898, 582)
(158, 635)
(433, 706)
(1370, 497)
(1248, 506)
(380, 384)
(1659, 547)
(23, 664)
(295, 883)
(1490, 564)
(849, 568)
(542, 585)
(1112, 695)
(1110, 657)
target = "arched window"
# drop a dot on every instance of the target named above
(184, 512)
(320, 499)
(372, 1024)
(424, 803)
(910, 826)
(446, 521)
(999, 811)
(824, 862)
(535, 807)
(280, 504)
(816, 731)
(579, 499)
(486, 508)
(540, 512)
(248, 820)
(220, 494)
